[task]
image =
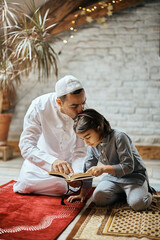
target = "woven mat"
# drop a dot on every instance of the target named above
(118, 222)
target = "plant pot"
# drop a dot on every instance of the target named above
(8, 99)
(5, 120)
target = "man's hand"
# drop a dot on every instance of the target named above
(62, 167)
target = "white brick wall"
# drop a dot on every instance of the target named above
(120, 69)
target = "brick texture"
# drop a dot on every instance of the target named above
(119, 67)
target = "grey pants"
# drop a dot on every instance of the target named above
(138, 197)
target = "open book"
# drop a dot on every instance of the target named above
(74, 177)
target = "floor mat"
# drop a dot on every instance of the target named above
(118, 222)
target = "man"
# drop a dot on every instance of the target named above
(48, 141)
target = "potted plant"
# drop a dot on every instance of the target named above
(25, 44)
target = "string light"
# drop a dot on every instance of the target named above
(88, 12)
(65, 41)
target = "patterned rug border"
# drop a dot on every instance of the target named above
(80, 221)
(109, 214)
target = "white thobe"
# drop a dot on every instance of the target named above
(47, 135)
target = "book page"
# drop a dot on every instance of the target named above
(80, 176)
(58, 174)
(74, 177)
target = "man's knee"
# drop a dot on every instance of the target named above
(140, 204)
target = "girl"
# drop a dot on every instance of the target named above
(127, 174)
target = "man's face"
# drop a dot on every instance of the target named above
(73, 104)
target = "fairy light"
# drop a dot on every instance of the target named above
(88, 12)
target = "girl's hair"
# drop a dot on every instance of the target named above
(91, 119)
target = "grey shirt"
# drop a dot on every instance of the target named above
(118, 150)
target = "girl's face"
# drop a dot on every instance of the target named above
(90, 137)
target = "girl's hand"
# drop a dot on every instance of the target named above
(75, 198)
(96, 171)
(80, 197)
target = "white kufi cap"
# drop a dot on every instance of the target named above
(67, 85)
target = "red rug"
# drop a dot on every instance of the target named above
(30, 217)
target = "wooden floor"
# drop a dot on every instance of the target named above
(9, 170)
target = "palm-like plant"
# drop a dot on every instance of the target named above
(7, 69)
(24, 45)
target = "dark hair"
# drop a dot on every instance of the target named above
(91, 119)
(74, 92)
